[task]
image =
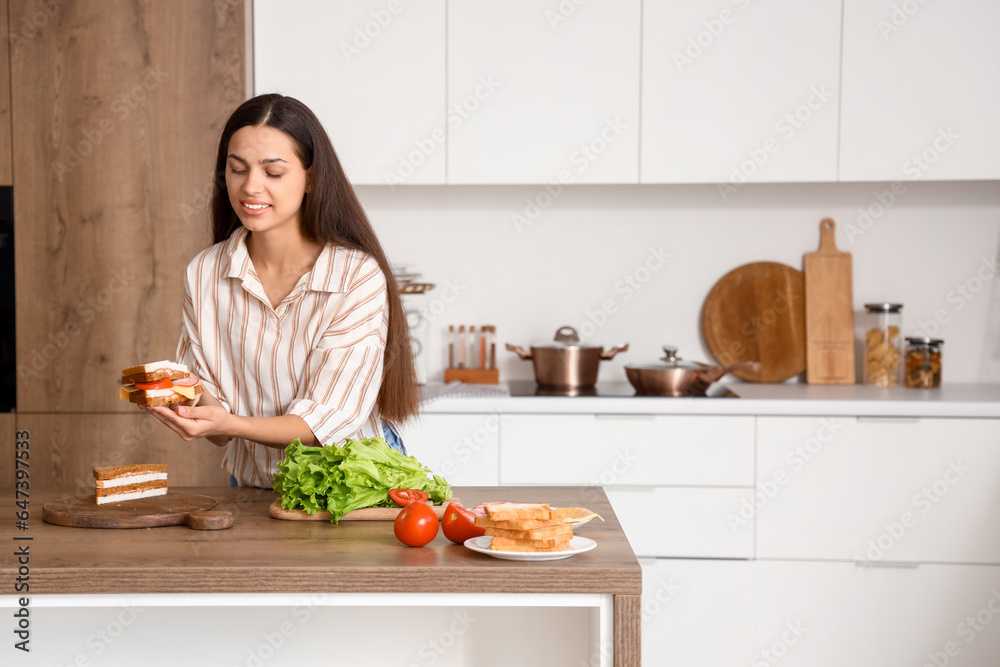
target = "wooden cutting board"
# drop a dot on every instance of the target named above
(756, 312)
(364, 514)
(829, 311)
(172, 509)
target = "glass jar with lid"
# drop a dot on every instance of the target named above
(883, 344)
(923, 362)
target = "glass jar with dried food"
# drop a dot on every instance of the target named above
(923, 362)
(883, 344)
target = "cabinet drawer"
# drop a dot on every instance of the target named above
(622, 450)
(462, 448)
(683, 522)
(699, 613)
(918, 615)
(879, 490)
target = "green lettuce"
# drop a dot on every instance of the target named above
(358, 474)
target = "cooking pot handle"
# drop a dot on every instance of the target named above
(715, 373)
(567, 335)
(610, 354)
(520, 351)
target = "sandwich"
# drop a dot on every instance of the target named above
(525, 527)
(115, 484)
(159, 383)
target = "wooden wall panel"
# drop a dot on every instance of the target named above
(66, 447)
(116, 108)
(6, 177)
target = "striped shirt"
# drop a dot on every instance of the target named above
(317, 355)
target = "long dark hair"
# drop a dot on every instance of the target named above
(331, 213)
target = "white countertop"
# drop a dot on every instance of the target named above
(955, 400)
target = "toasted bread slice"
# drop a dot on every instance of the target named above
(517, 524)
(518, 511)
(502, 544)
(548, 532)
(158, 370)
(110, 472)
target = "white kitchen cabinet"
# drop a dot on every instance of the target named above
(736, 91)
(683, 522)
(920, 91)
(812, 614)
(698, 613)
(878, 490)
(464, 448)
(543, 92)
(374, 73)
(624, 450)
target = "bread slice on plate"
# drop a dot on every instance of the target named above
(563, 531)
(544, 545)
(518, 511)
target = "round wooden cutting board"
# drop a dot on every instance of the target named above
(756, 312)
(172, 509)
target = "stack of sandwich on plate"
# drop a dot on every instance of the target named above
(525, 527)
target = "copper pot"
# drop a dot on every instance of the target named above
(672, 376)
(565, 362)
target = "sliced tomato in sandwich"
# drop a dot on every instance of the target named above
(165, 383)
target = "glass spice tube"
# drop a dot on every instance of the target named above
(883, 344)
(922, 362)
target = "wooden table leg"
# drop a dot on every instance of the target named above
(628, 630)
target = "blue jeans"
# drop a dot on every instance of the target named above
(392, 437)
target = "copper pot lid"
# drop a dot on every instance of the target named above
(670, 361)
(566, 338)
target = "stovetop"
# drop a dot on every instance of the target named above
(604, 390)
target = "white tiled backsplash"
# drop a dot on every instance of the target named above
(634, 263)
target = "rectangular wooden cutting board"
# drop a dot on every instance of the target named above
(829, 311)
(364, 514)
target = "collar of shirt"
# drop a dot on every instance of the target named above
(324, 276)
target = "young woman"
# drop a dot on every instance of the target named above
(292, 320)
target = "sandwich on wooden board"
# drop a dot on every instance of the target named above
(115, 484)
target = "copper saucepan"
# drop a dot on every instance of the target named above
(672, 376)
(565, 362)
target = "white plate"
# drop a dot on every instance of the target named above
(577, 545)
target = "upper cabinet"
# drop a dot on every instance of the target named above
(374, 73)
(736, 91)
(642, 91)
(921, 89)
(543, 92)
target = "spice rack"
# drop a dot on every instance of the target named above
(472, 355)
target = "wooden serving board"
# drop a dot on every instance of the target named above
(364, 514)
(172, 509)
(829, 311)
(756, 312)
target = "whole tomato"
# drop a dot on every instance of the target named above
(416, 525)
(459, 524)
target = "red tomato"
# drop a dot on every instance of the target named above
(416, 525)
(459, 524)
(158, 384)
(404, 497)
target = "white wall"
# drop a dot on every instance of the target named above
(529, 279)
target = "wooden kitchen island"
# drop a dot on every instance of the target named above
(276, 592)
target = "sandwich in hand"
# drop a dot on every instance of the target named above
(159, 383)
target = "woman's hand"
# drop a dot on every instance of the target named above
(191, 421)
